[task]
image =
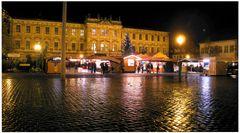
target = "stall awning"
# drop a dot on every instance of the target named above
(104, 58)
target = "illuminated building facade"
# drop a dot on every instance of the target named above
(225, 50)
(95, 36)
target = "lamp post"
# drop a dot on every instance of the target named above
(64, 20)
(37, 47)
(180, 40)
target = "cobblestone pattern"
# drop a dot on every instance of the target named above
(120, 103)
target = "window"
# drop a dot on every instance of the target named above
(130, 62)
(146, 49)
(206, 51)
(134, 36)
(164, 39)
(81, 32)
(81, 47)
(73, 46)
(140, 36)
(158, 38)
(140, 49)
(164, 50)
(219, 49)
(28, 29)
(94, 46)
(231, 48)
(152, 50)
(101, 47)
(152, 38)
(93, 32)
(17, 44)
(225, 49)
(38, 30)
(158, 49)
(56, 30)
(27, 44)
(18, 28)
(114, 47)
(56, 45)
(146, 37)
(104, 32)
(73, 32)
(47, 30)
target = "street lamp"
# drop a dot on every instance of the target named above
(37, 47)
(187, 56)
(180, 40)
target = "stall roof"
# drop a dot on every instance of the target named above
(104, 58)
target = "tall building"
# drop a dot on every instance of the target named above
(224, 50)
(94, 36)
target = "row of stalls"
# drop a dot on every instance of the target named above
(138, 63)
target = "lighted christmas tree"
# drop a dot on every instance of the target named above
(127, 46)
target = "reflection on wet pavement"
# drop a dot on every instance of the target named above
(120, 103)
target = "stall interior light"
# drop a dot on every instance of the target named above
(206, 60)
(56, 58)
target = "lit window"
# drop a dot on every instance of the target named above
(27, 44)
(81, 32)
(101, 47)
(18, 28)
(56, 30)
(114, 47)
(140, 49)
(47, 30)
(17, 44)
(146, 37)
(158, 49)
(73, 32)
(140, 36)
(152, 50)
(28, 29)
(94, 46)
(152, 38)
(93, 32)
(38, 30)
(104, 32)
(130, 62)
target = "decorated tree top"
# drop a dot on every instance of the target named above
(127, 46)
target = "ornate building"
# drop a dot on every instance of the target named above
(95, 36)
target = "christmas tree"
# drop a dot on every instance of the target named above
(127, 46)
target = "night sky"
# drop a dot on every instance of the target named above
(200, 21)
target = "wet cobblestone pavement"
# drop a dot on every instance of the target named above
(119, 103)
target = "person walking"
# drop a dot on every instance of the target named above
(157, 68)
(106, 67)
(94, 67)
(102, 67)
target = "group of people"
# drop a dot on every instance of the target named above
(92, 66)
(104, 67)
(149, 68)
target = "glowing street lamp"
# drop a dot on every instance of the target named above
(188, 56)
(180, 39)
(37, 47)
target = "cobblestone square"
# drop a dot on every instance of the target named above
(124, 102)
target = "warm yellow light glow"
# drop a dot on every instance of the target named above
(187, 56)
(180, 39)
(37, 47)
(81, 55)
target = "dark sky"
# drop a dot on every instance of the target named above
(199, 20)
